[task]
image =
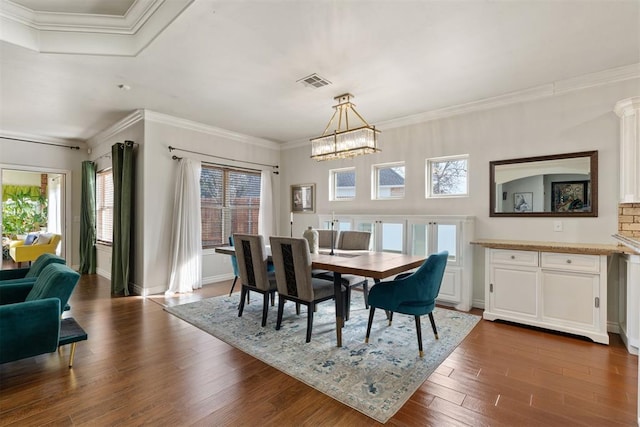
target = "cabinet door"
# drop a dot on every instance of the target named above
(514, 291)
(388, 235)
(569, 299)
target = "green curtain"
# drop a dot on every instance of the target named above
(88, 219)
(123, 165)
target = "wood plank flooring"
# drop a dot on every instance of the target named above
(142, 365)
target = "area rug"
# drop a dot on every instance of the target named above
(375, 379)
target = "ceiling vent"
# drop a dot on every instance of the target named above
(314, 80)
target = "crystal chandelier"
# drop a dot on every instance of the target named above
(347, 142)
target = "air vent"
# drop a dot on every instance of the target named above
(314, 80)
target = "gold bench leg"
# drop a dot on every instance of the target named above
(73, 353)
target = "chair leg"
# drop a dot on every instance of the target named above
(347, 303)
(419, 331)
(371, 311)
(233, 285)
(280, 312)
(73, 353)
(390, 316)
(243, 293)
(310, 321)
(298, 308)
(273, 298)
(433, 325)
(265, 308)
(365, 291)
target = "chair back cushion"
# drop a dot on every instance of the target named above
(55, 281)
(324, 238)
(292, 261)
(414, 294)
(252, 260)
(42, 261)
(354, 240)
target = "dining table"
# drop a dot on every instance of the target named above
(375, 265)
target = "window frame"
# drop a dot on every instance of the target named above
(102, 207)
(333, 189)
(226, 209)
(375, 180)
(429, 194)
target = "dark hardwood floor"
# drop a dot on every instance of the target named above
(142, 365)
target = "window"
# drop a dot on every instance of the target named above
(342, 184)
(388, 181)
(447, 176)
(230, 203)
(104, 206)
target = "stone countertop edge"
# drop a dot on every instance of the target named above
(560, 247)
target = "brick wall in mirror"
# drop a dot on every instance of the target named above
(558, 185)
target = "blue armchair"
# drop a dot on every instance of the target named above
(30, 313)
(414, 294)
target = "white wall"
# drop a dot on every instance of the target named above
(45, 158)
(575, 121)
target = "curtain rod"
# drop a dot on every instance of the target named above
(174, 157)
(75, 147)
(225, 158)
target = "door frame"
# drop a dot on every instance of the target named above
(66, 248)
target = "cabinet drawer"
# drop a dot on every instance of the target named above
(571, 262)
(511, 257)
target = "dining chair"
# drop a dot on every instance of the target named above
(324, 238)
(351, 240)
(293, 275)
(234, 264)
(414, 294)
(252, 266)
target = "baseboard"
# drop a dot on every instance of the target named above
(477, 303)
(613, 327)
(104, 273)
(218, 278)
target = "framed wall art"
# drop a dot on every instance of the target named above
(303, 198)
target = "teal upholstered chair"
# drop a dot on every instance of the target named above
(30, 322)
(30, 274)
(414, 294)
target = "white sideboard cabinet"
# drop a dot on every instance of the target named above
(565, 292)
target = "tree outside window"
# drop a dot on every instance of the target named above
(447, 176)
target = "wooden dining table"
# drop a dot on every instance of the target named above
(376, 265)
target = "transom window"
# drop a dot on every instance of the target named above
(229, 203)
(388, 181)
(447, 176)
(342, 184)
(104, 206)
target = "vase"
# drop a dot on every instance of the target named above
(312, 237)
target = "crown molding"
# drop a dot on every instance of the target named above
(209, 130)
(79, 33)
(119, 126)
(559, 87)
(5, 134)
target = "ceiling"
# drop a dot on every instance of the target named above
(236, 64)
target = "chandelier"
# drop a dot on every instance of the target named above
(347, 142)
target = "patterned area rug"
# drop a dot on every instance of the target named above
(375, 378)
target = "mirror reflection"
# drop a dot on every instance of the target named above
(556, 185)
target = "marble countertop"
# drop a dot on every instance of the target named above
(562, 247)
(631, 243)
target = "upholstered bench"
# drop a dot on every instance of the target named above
(71, 333)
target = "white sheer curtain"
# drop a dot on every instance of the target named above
(265, 219)
(186, 234)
